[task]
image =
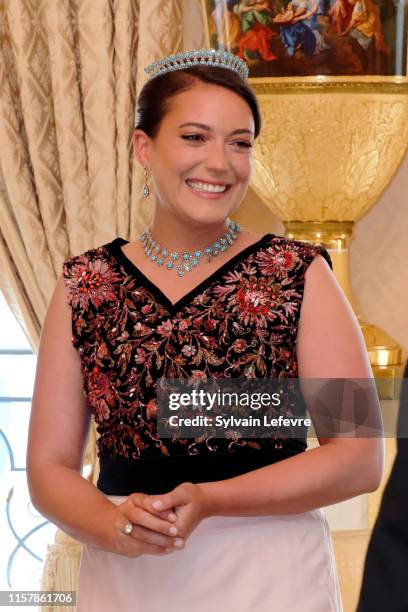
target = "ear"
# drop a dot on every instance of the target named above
(141, 146)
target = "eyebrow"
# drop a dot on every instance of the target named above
(206, 127)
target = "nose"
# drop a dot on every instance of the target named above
(217, 158)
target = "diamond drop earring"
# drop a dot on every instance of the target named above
(146, 190)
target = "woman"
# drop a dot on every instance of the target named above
(181, 523)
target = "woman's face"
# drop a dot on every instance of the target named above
(201, 157)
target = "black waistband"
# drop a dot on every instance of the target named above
(155, 475)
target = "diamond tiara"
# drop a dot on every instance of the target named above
(204, 57)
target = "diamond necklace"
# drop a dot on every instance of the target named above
(186, 261)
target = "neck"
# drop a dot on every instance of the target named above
(176, 238)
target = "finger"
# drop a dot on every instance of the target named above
(163, 502)
(141, 517)
(160, 502)
(163, 514)
(152, 537)
(166, 515)
(184, 517)
(137, 499)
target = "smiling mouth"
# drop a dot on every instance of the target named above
(203, 187)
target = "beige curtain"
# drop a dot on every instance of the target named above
(69, 74)
(68, 180)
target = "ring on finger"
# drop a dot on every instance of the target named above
(127, 529)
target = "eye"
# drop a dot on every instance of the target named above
(196, 138)
(192, 137)
(244, 144)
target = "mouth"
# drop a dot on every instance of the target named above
(205, 188)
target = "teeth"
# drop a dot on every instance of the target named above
(207, 187)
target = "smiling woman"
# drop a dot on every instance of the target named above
(198, 150)
(195, 297)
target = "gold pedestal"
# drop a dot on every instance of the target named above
(384, 352)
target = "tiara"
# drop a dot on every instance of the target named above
(204, 57)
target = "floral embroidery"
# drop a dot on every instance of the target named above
(279, 262)
(92, 280)
(241, 322)
(101, 394)
(239, 345)
(165, 328)
(188, 350)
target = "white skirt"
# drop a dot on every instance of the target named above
(229, 563)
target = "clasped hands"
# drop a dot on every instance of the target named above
(161, 523)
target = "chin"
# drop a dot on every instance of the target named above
(208, 216)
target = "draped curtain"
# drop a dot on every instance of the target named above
(69, 73)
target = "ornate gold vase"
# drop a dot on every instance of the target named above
(326, 153)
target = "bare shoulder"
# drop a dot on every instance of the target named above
(322, 288)
(330, 343)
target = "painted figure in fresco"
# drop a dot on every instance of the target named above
(226, 25)
(365, 25)
(294, 34)
(306, 11)
(253, 11)
(255, 18)
(340, 15)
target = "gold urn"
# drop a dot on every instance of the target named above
(326, 153)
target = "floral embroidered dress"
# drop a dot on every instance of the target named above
(241, 321)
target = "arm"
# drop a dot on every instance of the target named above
(330, 345)
(59, 424)
(350, 27)
(286, 17)
(299, 16)
(357, 17)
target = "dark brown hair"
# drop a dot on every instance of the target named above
(153, 100)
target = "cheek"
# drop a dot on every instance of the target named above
(181, 161)
(243, 169)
